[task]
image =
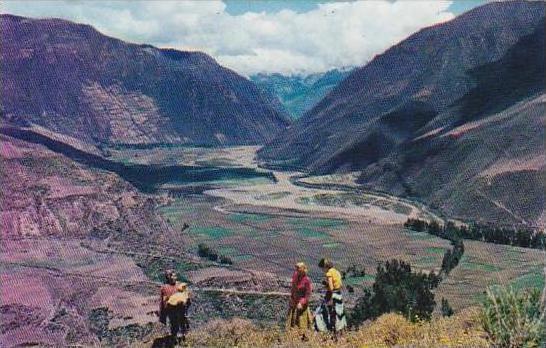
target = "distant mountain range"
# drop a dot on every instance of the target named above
(71, 79)
(299, 93)
(453, 115)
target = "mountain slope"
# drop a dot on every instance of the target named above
(430, 67)
(73, 80)
(483, 158)
(299, 94)
(458, 122)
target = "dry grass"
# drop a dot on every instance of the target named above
(389, 330)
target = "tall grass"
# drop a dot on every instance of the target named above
(389, 330)
(514, 318)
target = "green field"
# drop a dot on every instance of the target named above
(330, 245)
(310, 233)
(535, 279)
(213, 232)
(487, 264)
(249, 218)
(317, 223)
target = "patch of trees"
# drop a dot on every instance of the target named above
(516, 236)
(397, 289)
(452, 257)
(205, 251)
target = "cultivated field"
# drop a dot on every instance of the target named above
(485, 264)
(269, 226)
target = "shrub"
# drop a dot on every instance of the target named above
(398, 289)
(512, 318)
(446, 309)
(203, 250)
(225, 260)
(213, 256)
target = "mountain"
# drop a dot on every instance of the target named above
(51, 195)
(299, 93)
(71, 79)
(453, 115)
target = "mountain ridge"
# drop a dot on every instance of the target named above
(404, 72)
(107, 91)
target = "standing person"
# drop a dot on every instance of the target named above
(330, 316)
(177, 311)
(299, 316)
(166, 291)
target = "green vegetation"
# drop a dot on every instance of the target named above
(524, 237)
(534, 279)
(316, 223)
(310, 233)
(214, 232)
(446, 309)
(514, 318)
(450, 232)
(227, 250)
(397, 289)
(249, 217)
(357, 280)
(205, 251)
(242, 257)
(273, 196)
(154, 267)
(338, 199)
(467, 263)
(175, 212)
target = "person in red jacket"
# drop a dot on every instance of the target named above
(299, 315)
(165, 292)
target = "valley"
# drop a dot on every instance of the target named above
(269, 225)
(261, 220)
(420, 173)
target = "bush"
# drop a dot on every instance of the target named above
(512, 318)
(225, 260)
(397, 289)
(446, 309)
(203, 250)
(213, 256)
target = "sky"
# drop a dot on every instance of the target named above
(280, 36)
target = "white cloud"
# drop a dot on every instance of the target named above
(333, 35)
